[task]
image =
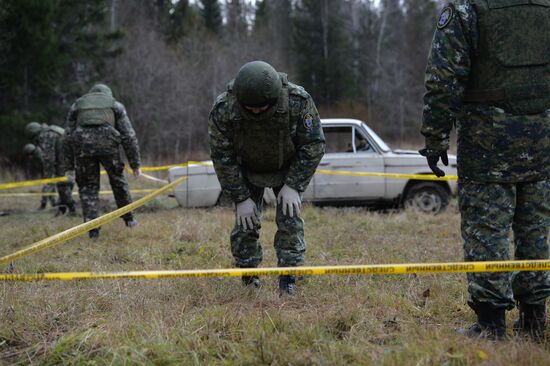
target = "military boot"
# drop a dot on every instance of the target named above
(491, 323)
(61, 210)
(130, 222)
(287, 285)
(251, 281)
(94, 233)
(72, 210)
(531, 321)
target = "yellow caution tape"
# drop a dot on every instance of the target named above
(32, 194)
(103, 172)
(32, 182)
(87, 226)
(376, 269)
(388, 175)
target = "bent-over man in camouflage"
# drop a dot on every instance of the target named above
(489, 75)
(265, 132)
(97, 124)
(47, 148)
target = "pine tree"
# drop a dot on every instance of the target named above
(322, 50)
(211, 15)
(51, 52)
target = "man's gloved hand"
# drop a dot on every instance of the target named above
(433, 159)
(136, 172)
(247, 214)
(70, 174)
(291, 201)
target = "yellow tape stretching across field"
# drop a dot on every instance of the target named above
(29, 183)
(87, 226)
(32, 194)
(384, 269)
(388, 175)
(324, 172)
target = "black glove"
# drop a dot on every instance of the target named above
(433, 159)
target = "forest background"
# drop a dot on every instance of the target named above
(167, 61)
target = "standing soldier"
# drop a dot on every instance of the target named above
(265, 132)
(47, 149)
(489, 74)
(97, 125)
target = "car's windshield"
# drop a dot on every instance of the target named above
(377, 139)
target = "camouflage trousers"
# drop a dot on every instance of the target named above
(48, 189)
(289, 243)
(65, 191)
(87, 178)
(48, 171)
(489, 211)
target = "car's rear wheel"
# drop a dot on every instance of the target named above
(427, 197)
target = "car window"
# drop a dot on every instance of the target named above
(338, 139)
(361, 143)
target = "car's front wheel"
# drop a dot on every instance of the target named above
(427, 197)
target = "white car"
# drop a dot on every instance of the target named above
(351, 146)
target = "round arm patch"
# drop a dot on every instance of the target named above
(445, 17)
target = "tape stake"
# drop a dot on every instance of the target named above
(87, 226)
(375, 269)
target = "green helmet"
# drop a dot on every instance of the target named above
(257, 84)
(33, 129)
(101, 88)
(29, 149)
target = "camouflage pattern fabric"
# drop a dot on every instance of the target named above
(306, 133)
(289, 243)
(489, 211)
(64, 189)
(89, 146)
(102, 140)
(503, 163)
(493, 144)
(46, 141)
(87, 179)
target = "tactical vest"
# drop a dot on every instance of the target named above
(511, 67)
(95, 109)
(264, 146)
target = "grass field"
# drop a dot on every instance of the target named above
(333, 320)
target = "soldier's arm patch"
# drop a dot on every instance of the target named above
(445, 17)
(308, 121)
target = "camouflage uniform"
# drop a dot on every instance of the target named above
(50, 142)
(252, 152)
(502, 116)
(95, 133)
(46, 142)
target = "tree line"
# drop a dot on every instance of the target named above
(168, 60)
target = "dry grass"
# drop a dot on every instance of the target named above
(333, 320)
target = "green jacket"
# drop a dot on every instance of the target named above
(498, 140)
(284, 148)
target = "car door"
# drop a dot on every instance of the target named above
(349, 150)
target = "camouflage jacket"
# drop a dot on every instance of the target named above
(493, 145)
(306, 134)
(125, 136)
